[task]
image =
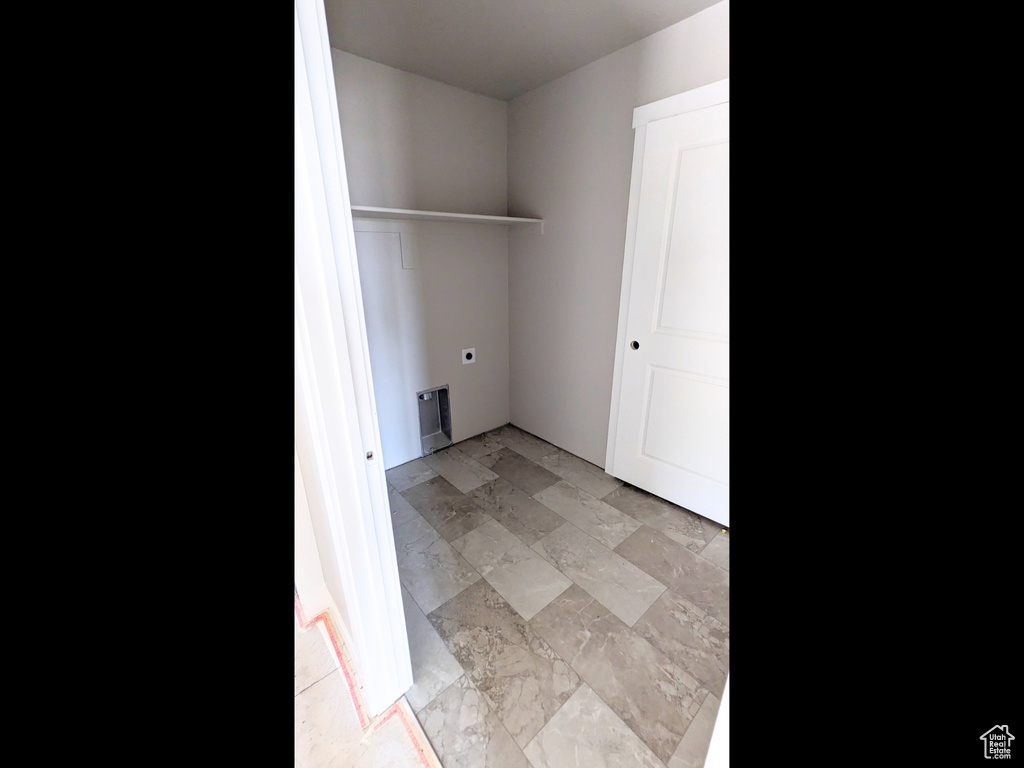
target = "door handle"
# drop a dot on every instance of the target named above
(635, 345)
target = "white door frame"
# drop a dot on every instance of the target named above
(699, 98)
(337, 441)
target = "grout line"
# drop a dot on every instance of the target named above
(560, 706)
(665, 588)
(501, 722)
(708, 542)
(328, 674)
(306, 628)
(442, 691)
(599, 696)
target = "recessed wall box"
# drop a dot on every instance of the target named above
(435, 419)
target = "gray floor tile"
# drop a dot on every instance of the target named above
(401, 510)
(433, 666)
(428, 566)
(718, 551)
(586, 733)
(691, 530)
(526, 475)
(478, 446)
(520, 513)
(693, 639)
(688, 575)
(485, 545)
(591, 515)
(522, 442)
(459, 469)
(621, 586)
(409, 474)
(524, 680)
(590, 477)
(445, 507)
(654, 697)
(693, 749)
(414, 534)
(520, 641)
(465, 733)
(521, 576)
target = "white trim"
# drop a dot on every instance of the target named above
(309, 575)
(351, 301)
(698, 98)
(335, 413)
(636, 174)
(405, 214)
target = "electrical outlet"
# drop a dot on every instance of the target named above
(468, 356)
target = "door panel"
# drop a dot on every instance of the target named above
(699, 406)
(672, 437)
(694, 269)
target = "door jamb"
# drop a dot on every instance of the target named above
(336, 423)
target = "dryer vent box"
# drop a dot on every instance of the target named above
(435, 419)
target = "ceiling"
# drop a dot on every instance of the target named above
(499, 48)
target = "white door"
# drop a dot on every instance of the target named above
(672, 432)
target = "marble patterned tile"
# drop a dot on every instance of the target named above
(586, 733)
(433, 666)
(621, 586)
(445, 507)
(718, 551)
(688, 575)
(313, 659)
(691, 530)
(459, 469)
(693, 639)
(415, 534)
(590, 477)
(654, 697)
(591, 515)
(401, 510)
(485, 545)
(520, 513)
(693, 749)
(522, 442)
(526, 475)
(409, 474)
(478, 446)
(465, 732)
(521, 576)
(523, 679)
(428, 567)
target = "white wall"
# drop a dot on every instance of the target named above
(419, 320)
(415, 143)
(570, 146)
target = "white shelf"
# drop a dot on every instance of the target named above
(369, 212)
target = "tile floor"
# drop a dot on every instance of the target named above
(556, 616)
